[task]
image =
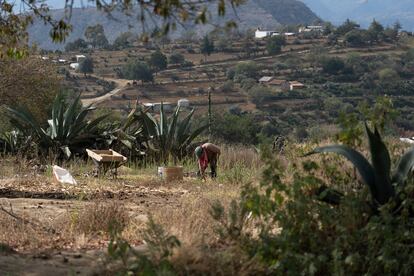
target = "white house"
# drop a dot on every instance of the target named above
(74, 66)
(262, 34)
(183, 103)
(79, 58)
(311, 28)
(265, 79)
(156, 107)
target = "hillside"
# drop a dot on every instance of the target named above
(253, 14)
(386, 11)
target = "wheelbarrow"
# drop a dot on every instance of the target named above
(106, 160)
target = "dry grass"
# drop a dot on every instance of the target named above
(101, 217)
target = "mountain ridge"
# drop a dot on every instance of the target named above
(252, 14)
(385, 11)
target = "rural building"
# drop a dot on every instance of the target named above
(79, 58)
(262, 34)
(156, 107)
(314, 28)
(265, 80)
(292, 85)
(74, 66)
(276, 82)
(183, 103)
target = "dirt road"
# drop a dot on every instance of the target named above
(120, 85)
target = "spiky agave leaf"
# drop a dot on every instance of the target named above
(357, 159)
(381, 163)
(404, 167)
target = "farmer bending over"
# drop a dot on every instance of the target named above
(207, 153)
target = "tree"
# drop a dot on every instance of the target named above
(232, 128)
(333, 65)
(376, 31)
(124, 40)
(346, 27)
(356, 38)
(95, 36)
(206, 47)
(246, 69)
(388, 75)
(274, 44)
(137, 70)
(78, 44)
(176, 58)
(158, 61)
(29, 82)
(247, 46)
(86, 66)
(328, 28)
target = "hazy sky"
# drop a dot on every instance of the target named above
(58, 4)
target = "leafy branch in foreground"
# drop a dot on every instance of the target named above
(377, 174)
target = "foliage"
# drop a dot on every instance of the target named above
(154, 262)
(123, 41)
(30, 82)
(234, 128)
(333, 65)
(78, 44)
(170, 137)
(297, 234)
(176, 58)
(13, 142)
(351, 130)
(356, 38)
(246, 69)
(137, 70)
(158, 61)
(86, 66)
(95, 36)
(346, 27)
(68, 130)
(376, 31)
(260, 94)
(376, 176)
(207, 46)
(274, 44)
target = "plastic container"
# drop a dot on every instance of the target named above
(169, 174)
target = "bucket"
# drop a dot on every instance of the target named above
(171, 173)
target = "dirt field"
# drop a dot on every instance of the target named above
(48, 228)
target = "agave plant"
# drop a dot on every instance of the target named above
(13, 141)
(377, 174)
(170, 137)
(68, 129)
(129, 134)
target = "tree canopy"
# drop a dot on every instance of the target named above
(95, 36)
(137, 70)
(158, 61)
(86, 65)
(274, 44)
(207, 46)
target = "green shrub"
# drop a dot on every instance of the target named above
(300, 235)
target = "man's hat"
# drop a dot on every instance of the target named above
(198, 152)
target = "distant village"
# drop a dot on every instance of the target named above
(306, 29)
